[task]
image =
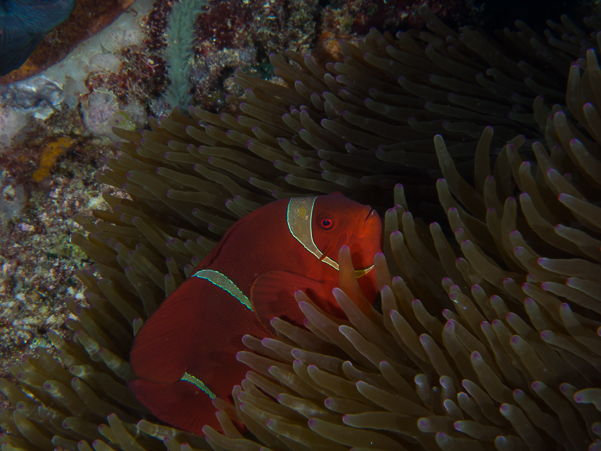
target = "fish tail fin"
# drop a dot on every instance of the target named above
(14, 51)
(180, 404)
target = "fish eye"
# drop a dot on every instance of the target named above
(326, 223)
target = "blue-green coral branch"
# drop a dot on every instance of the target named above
(179, 56)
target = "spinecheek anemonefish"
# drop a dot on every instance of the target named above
(185, 353)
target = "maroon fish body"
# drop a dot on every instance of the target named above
(185, 353)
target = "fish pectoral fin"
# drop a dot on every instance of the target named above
(272, 294)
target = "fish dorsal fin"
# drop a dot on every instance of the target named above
(299, 218)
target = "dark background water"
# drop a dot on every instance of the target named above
(497, 14)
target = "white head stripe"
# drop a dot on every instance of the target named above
(300, 223)
(299, 218)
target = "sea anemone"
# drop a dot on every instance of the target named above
(362, 125)
(511, 362)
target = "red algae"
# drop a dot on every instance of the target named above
(361, 15)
